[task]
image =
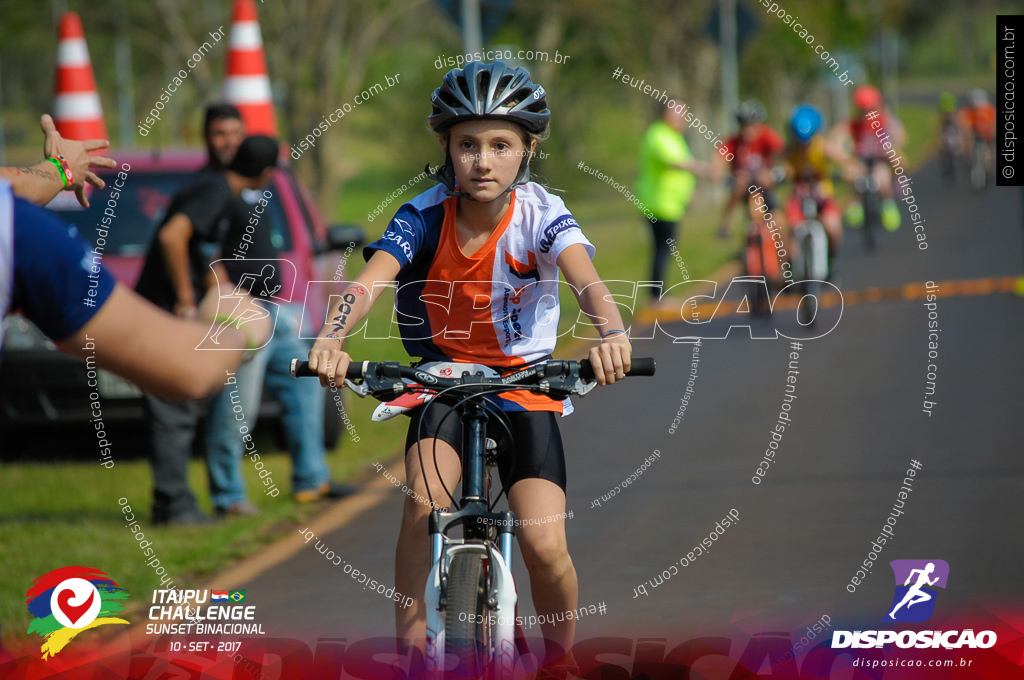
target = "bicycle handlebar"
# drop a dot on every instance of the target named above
(558, 374)
(640, 366)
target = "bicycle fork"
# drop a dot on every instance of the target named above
(476, 520)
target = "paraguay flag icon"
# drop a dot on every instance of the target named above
(219, 596)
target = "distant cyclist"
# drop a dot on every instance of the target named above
(948, 118)
(978, 122)
(874, 135)
(951, 135)
(755, 149)
(808, 161)
(485, 245)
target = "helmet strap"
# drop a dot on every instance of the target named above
(445, 175)
(523, 176)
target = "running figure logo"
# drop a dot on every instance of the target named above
(253, 300)
(914, 600)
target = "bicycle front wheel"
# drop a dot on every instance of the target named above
(978, 179)
(466, 628)
(872, 217)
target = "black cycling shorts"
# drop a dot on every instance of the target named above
(537, 453)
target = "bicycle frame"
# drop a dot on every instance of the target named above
(870, 196)
(477, 521)
(487, 535)
(810, 259)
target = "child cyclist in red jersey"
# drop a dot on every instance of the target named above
(876, 135)
(755, 148)
(487, 233)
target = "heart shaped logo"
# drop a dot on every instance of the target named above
(73, 612)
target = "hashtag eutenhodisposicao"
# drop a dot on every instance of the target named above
(618, 187)
(784, 420)
(533, 620)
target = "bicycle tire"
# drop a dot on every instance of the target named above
(947, 166)
(872, 216)
(465, 631)
(978, 175)
(763, 303)
(807, 305)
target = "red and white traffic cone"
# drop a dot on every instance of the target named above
(247, 84)
(77, 112)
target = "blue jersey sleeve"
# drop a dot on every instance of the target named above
(59, 283)
(408, 232)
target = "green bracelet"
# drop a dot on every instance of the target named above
(60, 171)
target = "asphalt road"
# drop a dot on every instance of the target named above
(857, 423)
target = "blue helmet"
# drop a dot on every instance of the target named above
(805, 121)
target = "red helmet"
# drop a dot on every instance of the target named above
(867, 97)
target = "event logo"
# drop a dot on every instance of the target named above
(66, 601)
(915, 602)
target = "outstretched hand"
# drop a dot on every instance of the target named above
(77, 155)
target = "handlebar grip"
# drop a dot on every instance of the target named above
(300, 369)
(637, 366)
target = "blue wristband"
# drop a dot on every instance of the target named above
(614, 330)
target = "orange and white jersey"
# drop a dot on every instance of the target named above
(497, 306)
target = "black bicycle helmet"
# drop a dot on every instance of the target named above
(751, 111)
(489, 91)
(494, 91)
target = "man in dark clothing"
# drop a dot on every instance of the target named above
(223, 131)
(174, 277)
(251, 255)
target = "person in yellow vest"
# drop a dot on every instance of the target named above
(665, 184)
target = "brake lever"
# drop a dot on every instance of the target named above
(360, 389)
(554, 381)
(583, 387)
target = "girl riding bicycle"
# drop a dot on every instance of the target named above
(477, 261)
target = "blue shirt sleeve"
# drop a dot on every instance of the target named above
(403, 238)
(59, 283)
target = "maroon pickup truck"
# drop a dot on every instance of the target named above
(40, 385)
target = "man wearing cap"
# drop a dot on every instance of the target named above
(174, 277)
(301, 401)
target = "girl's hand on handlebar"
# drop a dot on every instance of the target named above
(610, 359)
(329, 361)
